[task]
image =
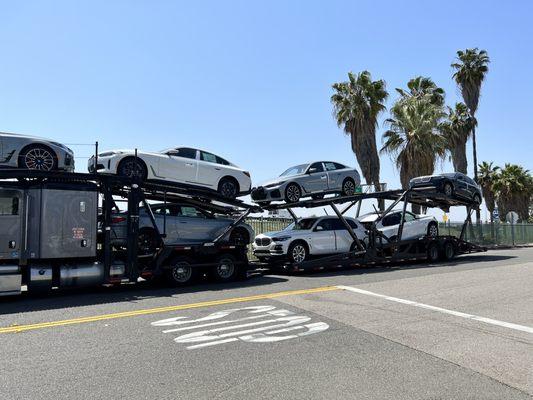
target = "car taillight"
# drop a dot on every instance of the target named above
(246, 173)
(117, 220)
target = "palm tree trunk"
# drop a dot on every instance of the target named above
(478, 211)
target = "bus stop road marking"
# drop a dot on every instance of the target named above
(134, 313)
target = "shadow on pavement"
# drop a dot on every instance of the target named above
(78, 297)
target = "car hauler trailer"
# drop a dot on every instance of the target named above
(379, 249)
(55, 231)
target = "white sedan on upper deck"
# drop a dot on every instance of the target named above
(180, 164)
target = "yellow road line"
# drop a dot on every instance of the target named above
(82, 320)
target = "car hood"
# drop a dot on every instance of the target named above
(291, 233)
(280, 180)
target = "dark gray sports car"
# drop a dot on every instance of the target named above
(31, 152)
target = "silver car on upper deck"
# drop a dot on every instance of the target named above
(313, 179)
(32, 152)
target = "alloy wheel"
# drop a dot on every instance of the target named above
(228, 189)
(298, 253)
(433, 230)
(348, 188)
(39, 159)
(293, 193)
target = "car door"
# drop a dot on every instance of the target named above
(412, 227)
(196, 226)
(343, 239)
(166, 220)
(471, 186)
(211, 169)
(461, 186)
(180, 165)
(390, 223)
(335, 177)
(323, 237)
(315, 179)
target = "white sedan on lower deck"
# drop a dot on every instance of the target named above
(180, 164)
(415, 226)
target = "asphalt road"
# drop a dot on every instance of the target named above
(459, 330)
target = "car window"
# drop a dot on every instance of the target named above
(391, 219)
(352, 224)
(339, 226)
(297, 170)
(205, 156)
(330, 166)
(184, 152)
(470, 180)
(190, 211)
(317, 166)
(304, 224)
(326, 224)
(339, 166)
(9, 205)
(409, 217)
(169, 209)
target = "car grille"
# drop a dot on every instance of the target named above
(258, 193)
(423, 179)
(263, 241)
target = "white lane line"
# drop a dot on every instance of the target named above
(441, 310)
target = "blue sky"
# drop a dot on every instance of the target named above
(250, 80)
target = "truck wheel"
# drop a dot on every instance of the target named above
(448, 253)
(226, 268)
(433, 252)
(292, 193)
(298, 252)
(181, 271)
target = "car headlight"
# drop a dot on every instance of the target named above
(109, 153)
(272, 185)
(281, 239)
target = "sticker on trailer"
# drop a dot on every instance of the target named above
(256, 324)
(78, 233)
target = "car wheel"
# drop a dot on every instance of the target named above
(226, 269)
(348, 187)
(239, 237)
(298, 252)
(181, 271)
(132, 168)
(148, 241)
(353, 246)
(448, 189)
(433, 230)
(38, 157)
(448, 252)
(228, 188)
(292, 193)
(477, 199)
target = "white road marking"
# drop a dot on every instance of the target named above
(285, 321)
(441, 310)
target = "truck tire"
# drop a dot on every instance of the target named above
(181, 271)
(226, 269)
(448, 251)
(433, 252)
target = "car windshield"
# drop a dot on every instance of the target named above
(299, 169)
(302, 225)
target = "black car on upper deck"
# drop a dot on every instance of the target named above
(454, 185)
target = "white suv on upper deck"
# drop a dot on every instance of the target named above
(308, 237)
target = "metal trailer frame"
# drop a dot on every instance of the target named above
(380, 249)
(136, 192)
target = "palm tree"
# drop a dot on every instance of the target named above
(414, 140)
(514, 186)
(488, 175)
(457, 129)
(471, 67)
(423, 87)
(357, 104)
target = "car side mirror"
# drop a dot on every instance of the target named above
(311, 170)
(319, 228)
